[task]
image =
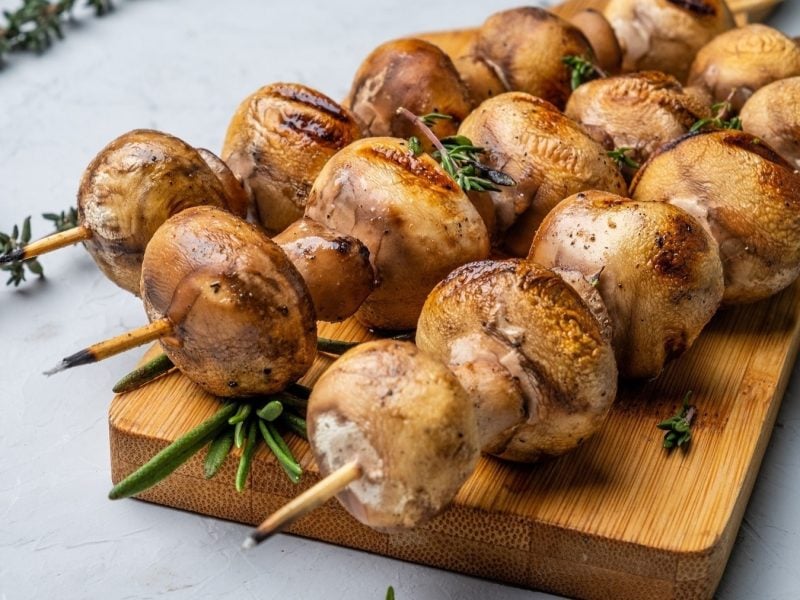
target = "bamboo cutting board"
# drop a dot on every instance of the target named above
(618, 518)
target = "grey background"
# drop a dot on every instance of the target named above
(183, 67)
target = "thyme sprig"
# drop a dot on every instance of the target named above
(581, 70)
(17, 239)
(457, 155)
(620, 156)
(721, 118)
(678, 428)
(36, 24)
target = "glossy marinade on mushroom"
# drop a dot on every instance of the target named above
(536, 362)
(744, 194)
(657, 270)
(772, 114)
(665, 35)
(548, 155)
(417, 223)
(276, 144)
(408, 73)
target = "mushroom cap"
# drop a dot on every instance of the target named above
(413, 74)
(526, 47)
(130, 188)
(417, 223)
(529, 352)
(277, 142)
(602, 38)
(242, 316)
(408, 422)
(639, 111)
(743, 60)
(239, 202)
(661, 277)
(335, 267)
(547, 154)
(742, 192)
(665, 35)
(773, 115)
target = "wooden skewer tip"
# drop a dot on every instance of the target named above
(304, 503)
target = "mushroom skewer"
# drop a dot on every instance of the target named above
(381, 420)
(130, 188)
(230, 309)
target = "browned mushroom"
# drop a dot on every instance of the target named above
(278, 141)
(547, 154)
(773, 115)
(660, 272)
(639, 111)
(602, 37)
(335, 267)
(415, 220)
(130, 188)
(239, 201)
(735, 64)
(408, 73)
(528, 350)
(665, 35)
(526, 48)
(744, 194)
(229, 308)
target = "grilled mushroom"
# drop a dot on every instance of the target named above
(665, 35)
(278, 141)
(335, 267)
(415, 220)
(660, 272)
(735, 64)
(548, 155)
(529, 352)
(413, 74)
(773, 115)
(744, 194)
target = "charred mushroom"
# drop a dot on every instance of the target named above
(529, 352)
(408, 73)
(639, 111)
(660, 272)
(737, 63)
(744, 194)
(665, 35)
(773, 115)
(548, 155)
(415, 220)
(335, 267)
(278, 141)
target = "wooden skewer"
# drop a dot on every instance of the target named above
(126, 341)
(305, 502)
(48, 244)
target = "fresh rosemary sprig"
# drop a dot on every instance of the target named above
(719, 120)
(620, 156)
(235, 424)
(390, 593)
(679, 427)
(36, 24)
(13, 241)
(581, 70)
(457, 155)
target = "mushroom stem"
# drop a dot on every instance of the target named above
(115, 345)
(48, 244)
(305, 503)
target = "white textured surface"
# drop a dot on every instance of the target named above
(183, 66)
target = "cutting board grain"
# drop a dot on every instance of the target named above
(618, 518)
